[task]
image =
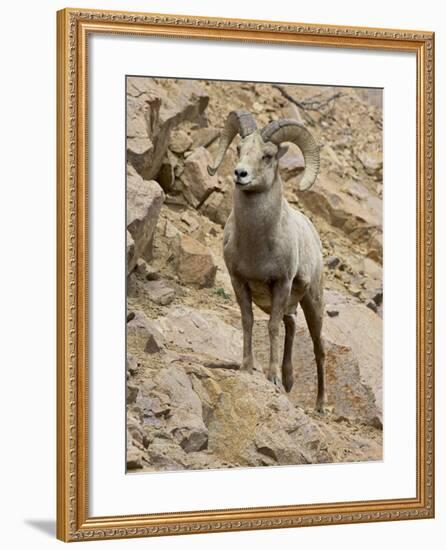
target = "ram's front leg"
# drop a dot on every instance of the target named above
(243, 295)
(280, 293)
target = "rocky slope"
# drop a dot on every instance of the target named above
(188, 405)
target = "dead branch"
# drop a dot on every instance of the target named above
(312, 104)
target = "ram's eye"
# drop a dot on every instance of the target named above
(238, 149)
(267, 157)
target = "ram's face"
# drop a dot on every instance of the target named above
(257, 163)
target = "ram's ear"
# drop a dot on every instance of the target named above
(281, 151)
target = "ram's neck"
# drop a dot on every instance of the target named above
(258, 214)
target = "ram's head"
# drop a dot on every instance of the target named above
(260, 150)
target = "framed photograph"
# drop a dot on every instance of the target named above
(245, 275)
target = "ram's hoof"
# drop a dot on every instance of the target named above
(321, 403)
(274, 378)
(247, 366)
(288, 383)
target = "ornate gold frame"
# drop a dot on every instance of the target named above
(73, 521)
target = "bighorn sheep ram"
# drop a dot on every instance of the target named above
(273, 252)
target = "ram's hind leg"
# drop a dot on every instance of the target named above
(313, 308)
(287, 363)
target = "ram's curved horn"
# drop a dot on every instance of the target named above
(282, 130)
(238, 122)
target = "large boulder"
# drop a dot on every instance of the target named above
(359, 218)
(144, 201)
(349, 392)
(204, 333)
(185, 422)
(252, 423)
(359, 328)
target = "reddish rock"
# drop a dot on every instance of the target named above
(194, 263)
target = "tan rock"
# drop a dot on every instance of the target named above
(375, 247)
(203, 137)
(143, 333)
(196, 181)
(349, 374)
(201, 332)
(191, 222)
(361, 329)
(217, 207)
(372, 162)
(254, 424)
(359, 220)
(131, 259)
(291, 110)
(134, 457)
(193, 262)
(160, 292)
(164, 455)
(278, 446)
(226, 168)
(139, 140)
(132, 393)
(144, 201)
(347, 394)
(132, 365)
(329, 153)
(146, 270)
(186, 421)
(139, 146)
(135, 432)
(170, 231)
(356, 190)
(179, 141)
(372, 95)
